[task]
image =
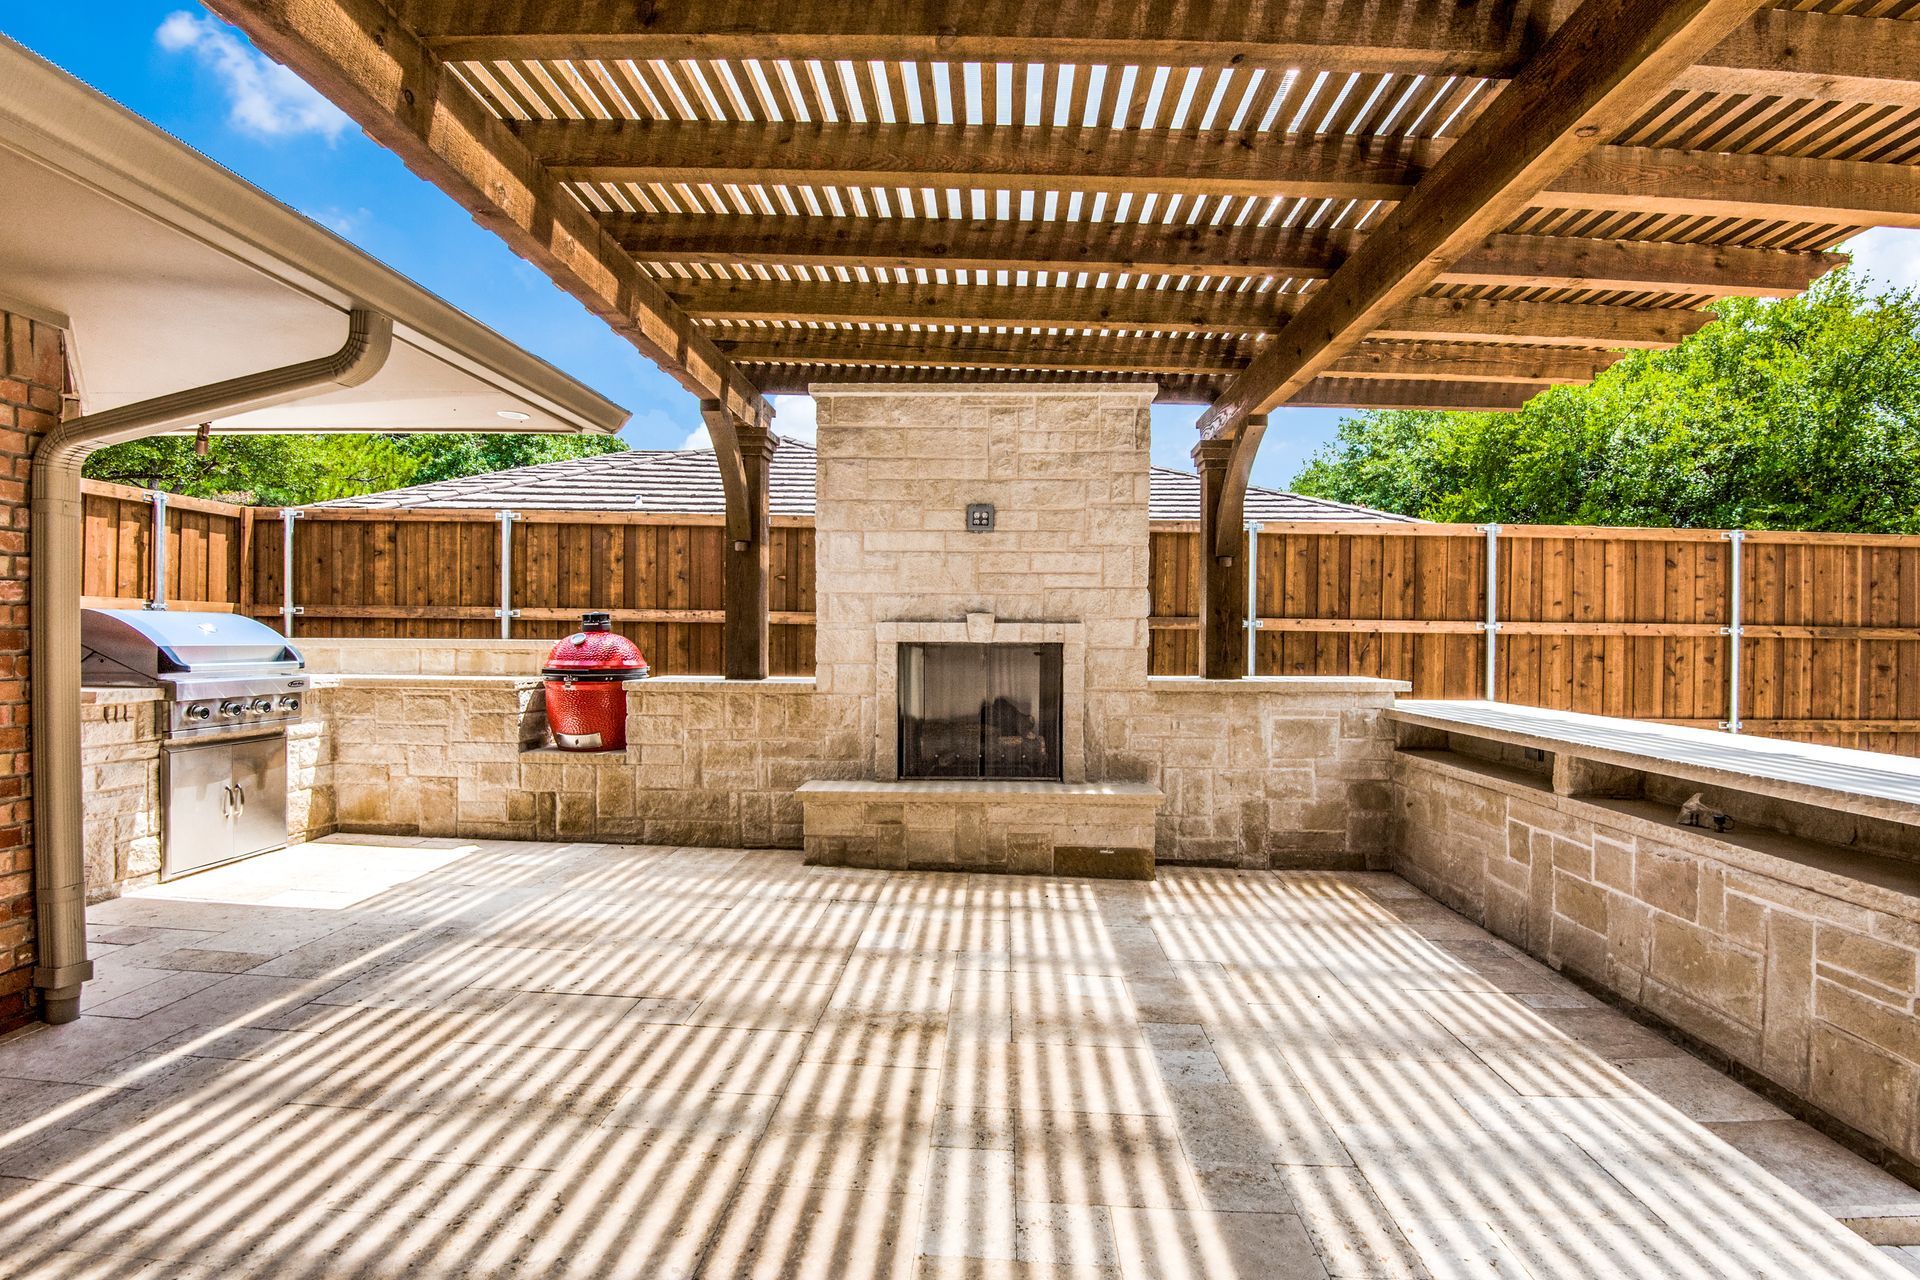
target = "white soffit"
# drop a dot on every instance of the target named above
(171, 273)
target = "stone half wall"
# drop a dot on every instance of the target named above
(1261, 773)
(1804, 976)
(708, 762)
(1274, 772)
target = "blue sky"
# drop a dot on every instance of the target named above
(197, 79)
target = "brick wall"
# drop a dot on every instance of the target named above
(32, 380)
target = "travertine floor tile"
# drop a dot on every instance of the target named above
(481, 1060)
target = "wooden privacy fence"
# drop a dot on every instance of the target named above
(436, 574)
(1624, 622)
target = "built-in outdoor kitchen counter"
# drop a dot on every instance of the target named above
(1788, 944)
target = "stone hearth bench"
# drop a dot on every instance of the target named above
(1102, 829)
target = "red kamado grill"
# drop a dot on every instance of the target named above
(586, 676)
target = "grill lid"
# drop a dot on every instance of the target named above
(152, 643)
(596, 651)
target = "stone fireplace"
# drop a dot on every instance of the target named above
(923, 604)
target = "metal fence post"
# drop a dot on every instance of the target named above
(1492, 623)
(1253, 597)
(157, 589)
(1735, 628)
(506, 609)
(288, 609)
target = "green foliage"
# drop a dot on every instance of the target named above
(448, 457)
(289, 470)
(1797, 414)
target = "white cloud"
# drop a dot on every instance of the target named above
(342, 222)
(264, 99)
(1891, 255)
(794, 417)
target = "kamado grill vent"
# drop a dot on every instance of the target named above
(220, 672)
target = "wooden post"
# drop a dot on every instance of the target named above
(243, 585)
(1223, 582)
(744, 452)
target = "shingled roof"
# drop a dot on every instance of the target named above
(687, 481)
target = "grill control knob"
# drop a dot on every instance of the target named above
(231, 708)
(198, 711)
(260, 706)
(289, 702)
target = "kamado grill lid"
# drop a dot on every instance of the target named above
(595, 652)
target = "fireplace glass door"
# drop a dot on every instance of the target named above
(980, 711)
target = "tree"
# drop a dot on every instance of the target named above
(290, 470)
(1795, 414)
(448, 457)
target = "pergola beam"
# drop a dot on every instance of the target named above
(1173, 311)
(1189, 163)
(1596, 73)
(941, 350)
(793, 153)
(1776, 53)
(796, 379)
(1362, 35)
(1115, 249)
(1397, 361)
(395, 88)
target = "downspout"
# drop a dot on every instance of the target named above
(59, 864)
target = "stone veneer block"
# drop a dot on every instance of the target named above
(1101, 829)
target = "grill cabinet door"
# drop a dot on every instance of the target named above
(260, 782)
(199, 824)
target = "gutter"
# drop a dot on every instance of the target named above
(59, 862)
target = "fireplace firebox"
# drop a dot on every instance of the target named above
(980, 711)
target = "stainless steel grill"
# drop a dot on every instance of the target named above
(231, 687)
(221, 673)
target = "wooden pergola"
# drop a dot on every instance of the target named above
(1357, 203)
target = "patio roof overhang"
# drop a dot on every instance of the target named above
(190, 298)
(1386, 203)
(169, 272)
